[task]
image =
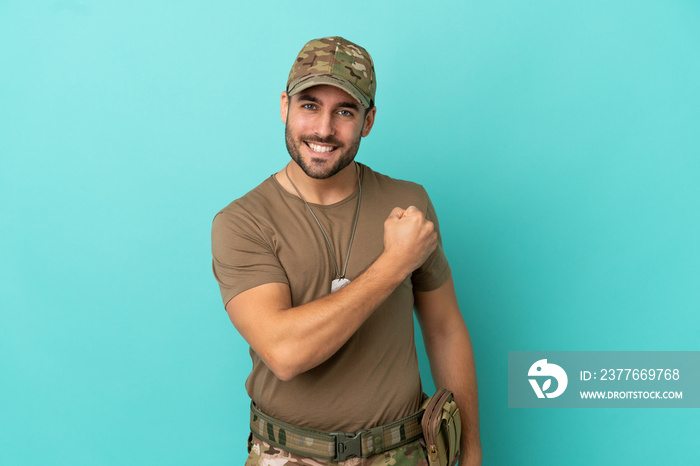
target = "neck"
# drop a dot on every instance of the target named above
(323, 192)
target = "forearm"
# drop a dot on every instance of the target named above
(307, 335)
(452, 366)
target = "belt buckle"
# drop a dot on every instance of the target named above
(347, 445)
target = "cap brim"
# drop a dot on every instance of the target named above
(331, 80)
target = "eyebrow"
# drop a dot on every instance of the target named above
(310, 98)
(351, 105)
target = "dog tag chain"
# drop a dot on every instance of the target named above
(340, 281)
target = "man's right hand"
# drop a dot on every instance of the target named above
(409, 238)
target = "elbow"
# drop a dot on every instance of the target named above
(284, 372)
(285, 375)
(283, 364)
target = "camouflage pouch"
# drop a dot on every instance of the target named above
(442, 428)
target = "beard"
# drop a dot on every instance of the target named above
(318, 168)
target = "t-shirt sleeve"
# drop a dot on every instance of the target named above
(435, 270)
(243, 257)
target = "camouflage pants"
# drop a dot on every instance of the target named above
(263, 454)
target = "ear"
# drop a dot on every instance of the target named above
(284, 106)
(369, 121)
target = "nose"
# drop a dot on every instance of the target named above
(323, 126)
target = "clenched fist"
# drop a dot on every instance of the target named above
(408, 238)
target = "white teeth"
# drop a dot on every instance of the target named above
(317, 148)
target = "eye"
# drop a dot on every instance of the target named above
(308, 106)
(345, 113)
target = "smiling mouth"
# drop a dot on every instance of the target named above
(321, 149)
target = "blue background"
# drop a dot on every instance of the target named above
(559, 140)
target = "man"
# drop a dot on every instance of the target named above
(320, 267)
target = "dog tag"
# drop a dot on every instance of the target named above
(338, 283)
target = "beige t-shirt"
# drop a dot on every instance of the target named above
(269, 236)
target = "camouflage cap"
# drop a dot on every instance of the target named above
(337, 62)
